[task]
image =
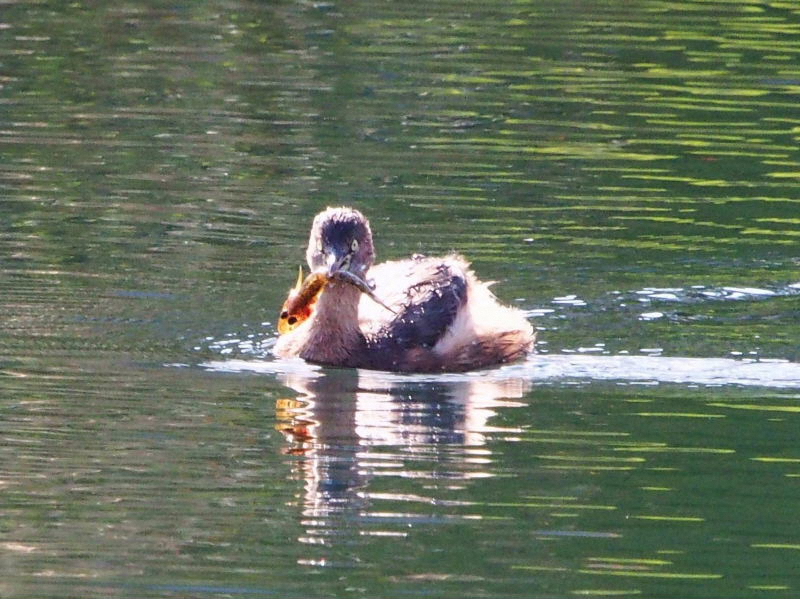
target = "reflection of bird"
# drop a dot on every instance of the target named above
(347, 427)
(441, 318)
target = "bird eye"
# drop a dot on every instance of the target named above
(354, 245)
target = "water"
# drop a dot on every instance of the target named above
(627, 173)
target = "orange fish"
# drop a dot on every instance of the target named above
(299, 306)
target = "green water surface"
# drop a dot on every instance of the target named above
(627, 172)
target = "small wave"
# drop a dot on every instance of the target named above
(575, 368)
(662, 296)
(658, 369)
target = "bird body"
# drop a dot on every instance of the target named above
(433, 315)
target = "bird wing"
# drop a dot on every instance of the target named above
(425, 293)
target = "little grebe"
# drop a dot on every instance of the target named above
(424, 315)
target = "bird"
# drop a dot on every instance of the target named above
(418, 315)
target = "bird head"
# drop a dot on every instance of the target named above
(340, 240)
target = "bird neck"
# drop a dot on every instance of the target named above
(334, 334)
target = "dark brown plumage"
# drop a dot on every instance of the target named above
(442, 318)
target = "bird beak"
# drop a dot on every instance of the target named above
(338, 261)
(339, 270)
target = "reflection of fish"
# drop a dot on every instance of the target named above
(300, 304)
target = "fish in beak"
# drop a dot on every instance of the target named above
(299, 305)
